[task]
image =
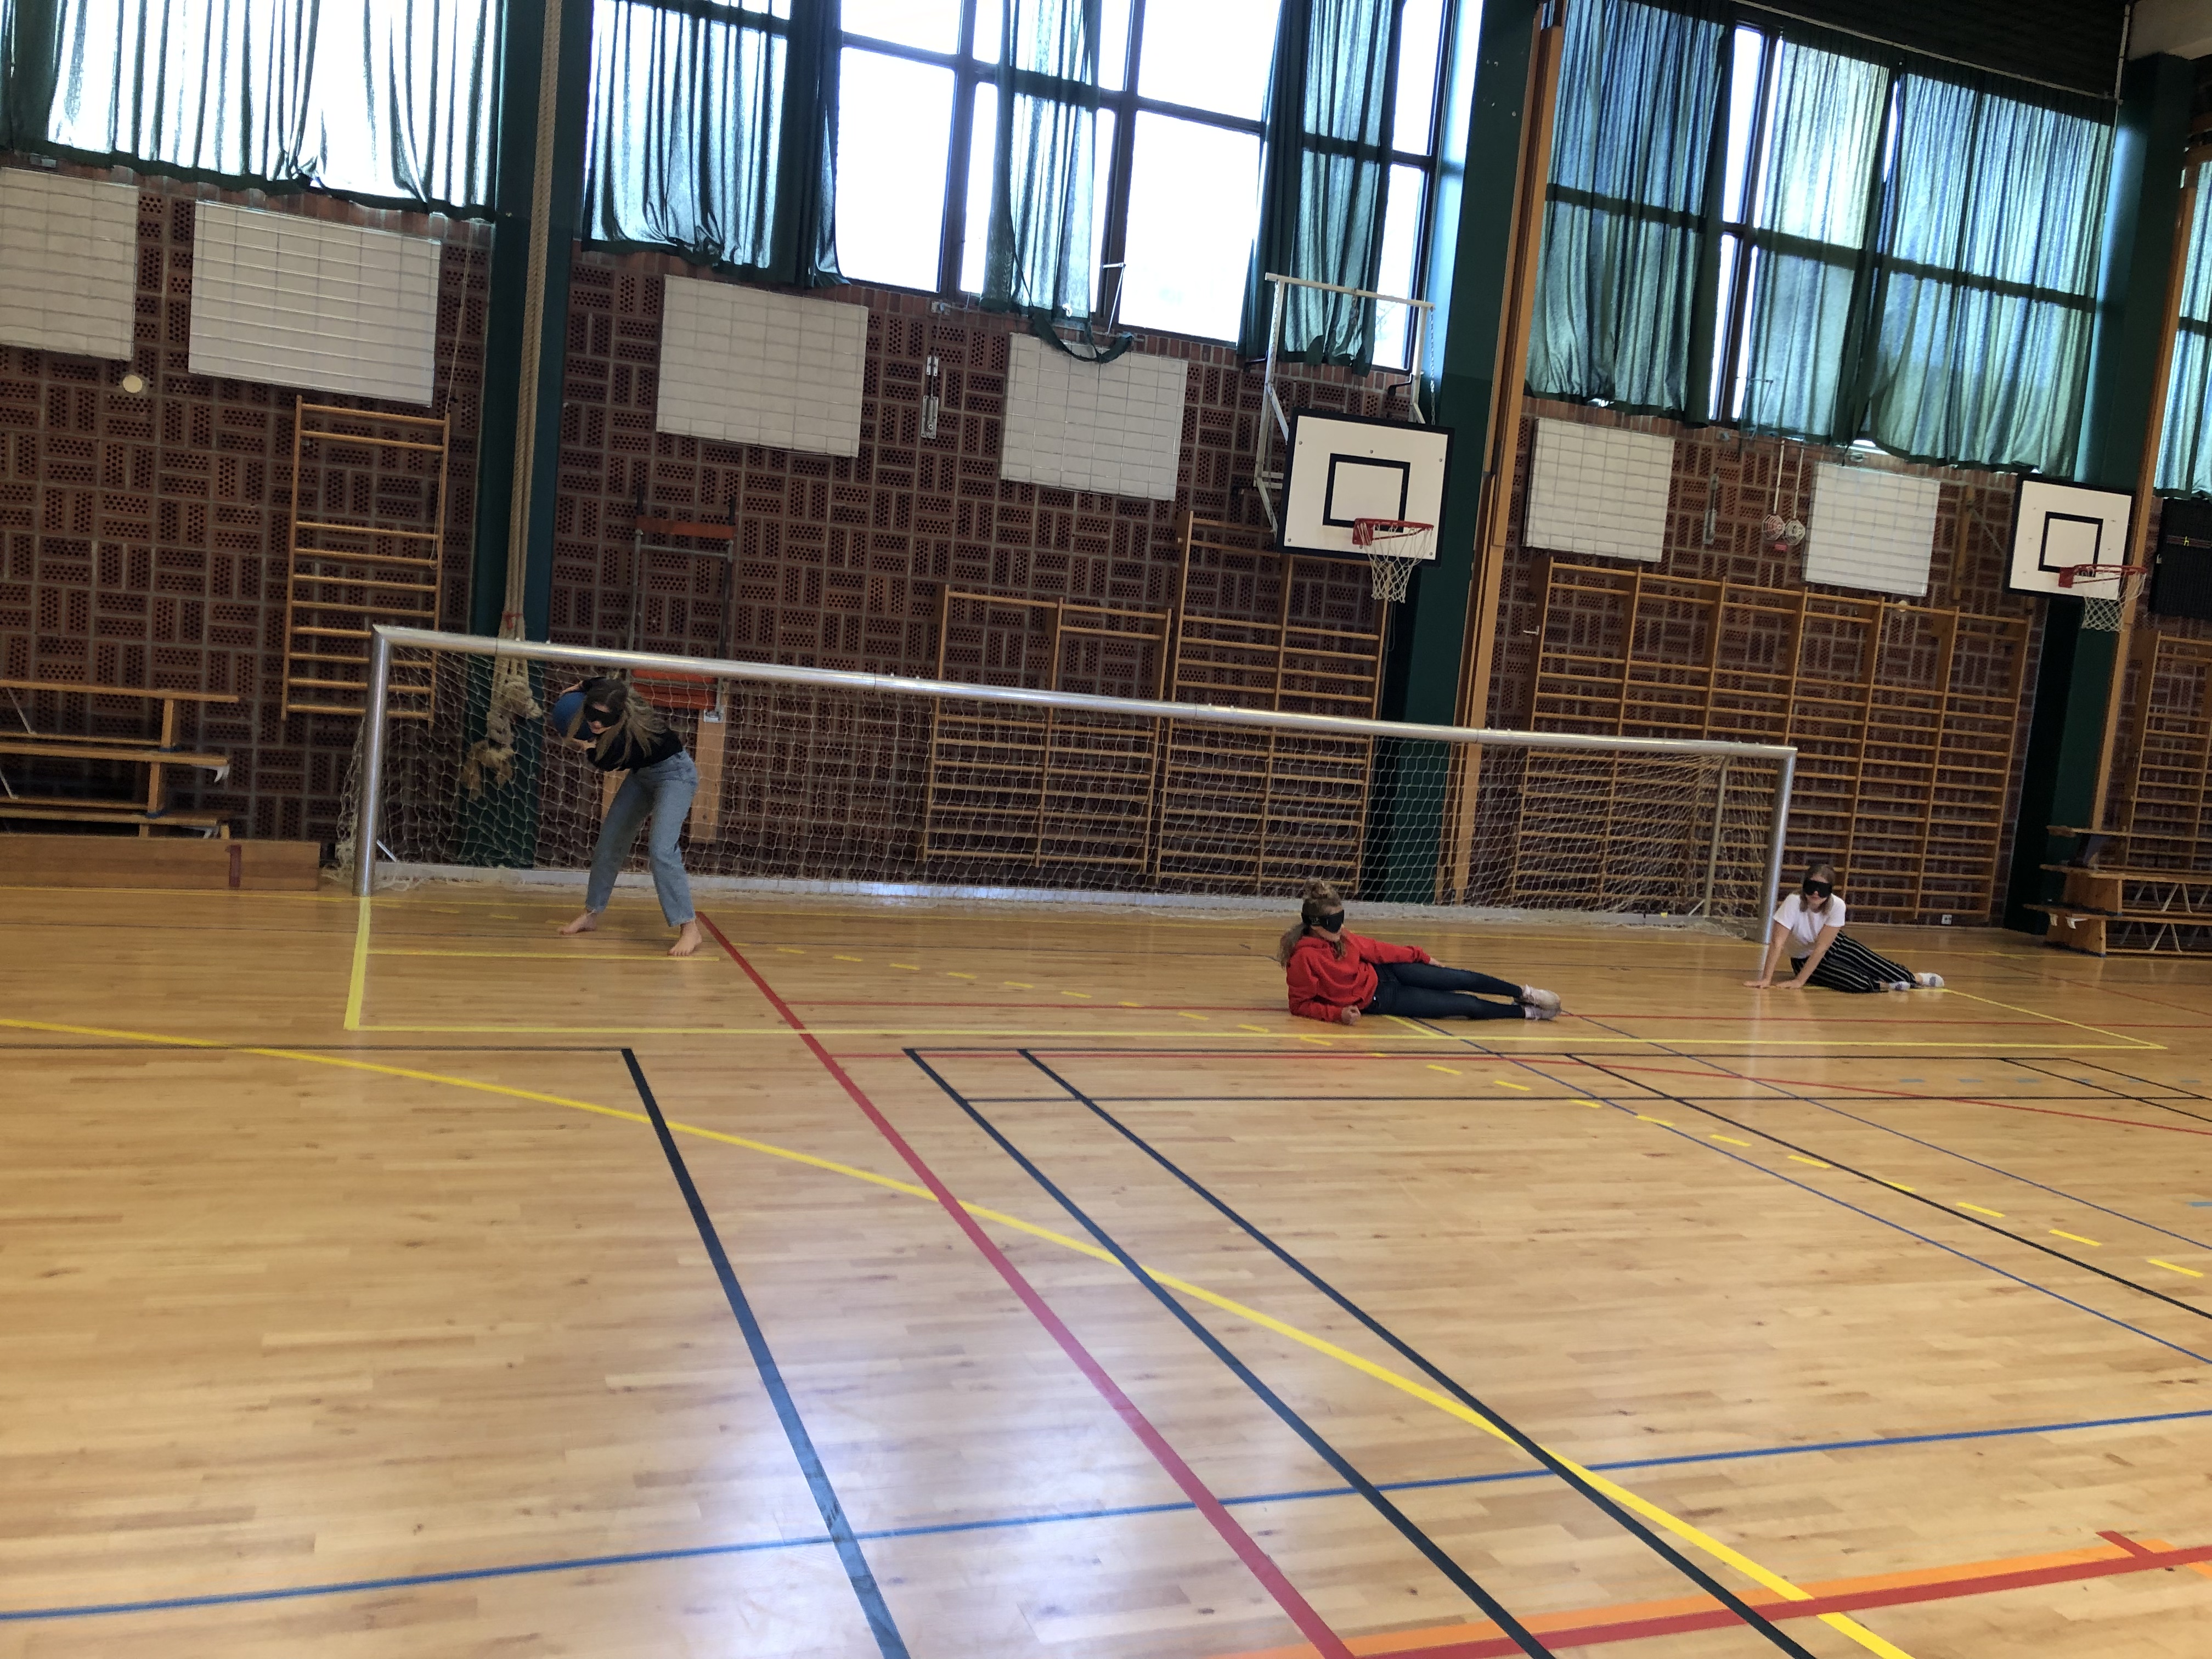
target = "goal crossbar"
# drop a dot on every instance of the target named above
(386, 640)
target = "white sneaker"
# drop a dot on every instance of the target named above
(1929, 981)
(1537, 1011)
(1533, 997)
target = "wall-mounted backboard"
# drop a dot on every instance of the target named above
(1343, 468)
(2056, 527)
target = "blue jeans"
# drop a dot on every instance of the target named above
(662, 791)
(1429, 990)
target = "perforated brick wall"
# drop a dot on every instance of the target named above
(142, 538)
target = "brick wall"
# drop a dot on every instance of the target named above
(143, 538)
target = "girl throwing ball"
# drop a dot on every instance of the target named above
(1337, 974)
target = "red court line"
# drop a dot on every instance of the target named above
(1247, 1550)
(1683, 1615)
(1828, 1084)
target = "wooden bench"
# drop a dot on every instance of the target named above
(2101, 903)
(148, 812)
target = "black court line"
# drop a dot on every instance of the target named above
(1459, 1577)
(1788, 1179)
(877, 1610)
(1559, 1466)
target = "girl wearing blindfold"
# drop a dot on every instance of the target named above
(1337, 974)
(1809, 925)
(626, 733)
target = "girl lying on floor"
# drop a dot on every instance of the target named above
(1336, 975)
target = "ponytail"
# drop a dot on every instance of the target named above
(1321, 899)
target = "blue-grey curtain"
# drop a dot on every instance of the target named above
(1325, 177)
(713, 132)
(2184, 452)
(1624, 223)
(391, 101)
(1809, 225)
(1038, 256)
(1985, 298)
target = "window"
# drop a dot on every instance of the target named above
(1177, 200)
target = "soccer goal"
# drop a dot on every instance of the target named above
(815, 779)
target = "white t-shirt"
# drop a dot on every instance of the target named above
(1805, 926)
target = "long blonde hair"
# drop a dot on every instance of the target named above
(1321, 900)
(636, 724)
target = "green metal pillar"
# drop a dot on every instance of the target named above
(537, 210)
(2074, 681)
(1468, 274)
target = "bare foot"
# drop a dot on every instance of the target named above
(687, 940)
(583, 924)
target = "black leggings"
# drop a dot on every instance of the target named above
(1428, 990)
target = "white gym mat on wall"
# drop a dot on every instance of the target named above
(1871, 529)
(744, 366)
(69, 263)
(1116, 427)
(294, 301)
(1599, 489)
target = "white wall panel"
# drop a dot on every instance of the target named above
(1116, 427)
(69, 263)
(746, 365)
(1871, 529)
(1599, 489)
(294, 301)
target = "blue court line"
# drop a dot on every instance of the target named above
(866, 1589)
(699, 1552)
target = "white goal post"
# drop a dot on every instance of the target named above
(830, 780)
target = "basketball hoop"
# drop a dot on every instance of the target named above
(1394, 547)
(2107, 592)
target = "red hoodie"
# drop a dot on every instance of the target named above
(1323, 984)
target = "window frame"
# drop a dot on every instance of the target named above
(970, 72)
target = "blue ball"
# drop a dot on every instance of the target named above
(567, 715)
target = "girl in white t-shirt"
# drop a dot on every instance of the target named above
(1809, 925)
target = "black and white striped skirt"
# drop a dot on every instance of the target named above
(1849, 966)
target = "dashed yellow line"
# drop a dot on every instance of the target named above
(1453, 1070)
(2077, 1238)
(1262, 1029)
(1815, 1162)
(1978, 1210)
(1646, 1117)
(791, 950)
(2173, 1266)
(911, 967)
(1085, 995)
(1731, 1140)
(1503, 1084)
(1187, 1015)
(846, 958)
(960, 976)
(1017, 985)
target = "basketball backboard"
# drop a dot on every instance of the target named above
(2056, 526)
(1346, 467)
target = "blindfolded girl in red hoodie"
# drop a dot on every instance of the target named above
(1337, 974)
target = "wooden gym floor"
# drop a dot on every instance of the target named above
(418, 1284)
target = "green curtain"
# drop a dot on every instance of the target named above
(1808, 224)
(1038, 256)
(1623, 226)
(1325, 178)
(389, 101)
(1985, 298)
(2184, 452)
(713, 132)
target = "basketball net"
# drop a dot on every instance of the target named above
(2107, 592)
(1394, 547)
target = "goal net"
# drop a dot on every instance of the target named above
(813, 779)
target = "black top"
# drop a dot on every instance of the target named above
(625, 755)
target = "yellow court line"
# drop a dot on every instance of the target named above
(557, 954)
(357, 978)
(1651, 1512)
(2033, 1013)
(1112, 1034)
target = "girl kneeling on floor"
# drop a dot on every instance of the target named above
(1809, 925)
(1336, 975)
